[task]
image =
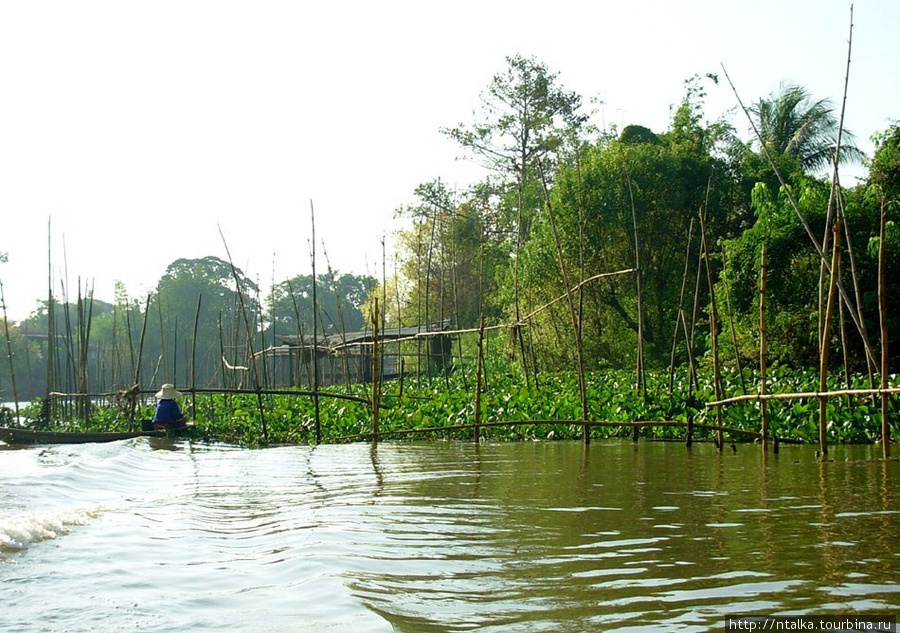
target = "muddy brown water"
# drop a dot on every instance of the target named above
(160, 535)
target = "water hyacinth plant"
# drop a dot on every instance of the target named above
(512, 410)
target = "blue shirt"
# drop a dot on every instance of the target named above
(167, 412)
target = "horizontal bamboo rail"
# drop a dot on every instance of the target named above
(805, 394)
(488, 328)
(222, 390)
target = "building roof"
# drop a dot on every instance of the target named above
(335, 341)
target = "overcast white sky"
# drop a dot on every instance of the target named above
(136, 129)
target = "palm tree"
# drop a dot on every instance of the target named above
(790, 123)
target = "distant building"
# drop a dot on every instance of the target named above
(347, 357)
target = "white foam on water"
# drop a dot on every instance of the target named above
(19, 531)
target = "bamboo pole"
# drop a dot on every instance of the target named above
(626, 271)
(882, 317)
(225, 391)
(713, 325)
(579, 347)
(478, 381)
(870, 364)
(845, 353)
(641, 379)
(695, 308)
(68, 345)
(581, 265)
(222, 365)
(9, 353)
(301, 339)
(312, 217)
(516, 331)
(763, 349)
(129, 330)
(734, 340)
(47, 414)
(137, 364)
(254, 372)
(376, 378)
(85, 314)
(454, 278)
(795, 395)
(428, 263)
(680, 314)
(194, 357)
(826, 336)
(345, 361)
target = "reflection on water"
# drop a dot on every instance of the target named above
(164, 536)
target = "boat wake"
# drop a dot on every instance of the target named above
(19, 531)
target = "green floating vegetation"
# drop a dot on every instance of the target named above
(510, 410)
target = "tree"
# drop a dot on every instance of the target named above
(663, 179)
(446, 258)
(210, 284)
(884, 168)
(525, 118)
(340, 298)
(27, 365)
(791, 124)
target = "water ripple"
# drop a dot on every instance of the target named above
(433, 537)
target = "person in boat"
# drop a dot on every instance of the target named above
(168, 414)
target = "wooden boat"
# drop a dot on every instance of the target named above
(31, 436)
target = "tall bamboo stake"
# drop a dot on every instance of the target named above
(312, 218)
(734, 341)
(581, 265)
(713, 328)
(428, 360)
(455, 281)
(641, 380)
(9, 353)
(695, 308)
(763, 349)
(194, 357)
(85, 311)
(870, 364)
(254, 371)
(129, 331)
(680, 314)
(115, 365)
(579, 347)
(137, 364)
(137, 361)
(517, 330)
(47, 413)
(882, 316)
(345, 361)
(376, 373)
(826, 335)
(478, 382)
(301, 339)
(845, 352)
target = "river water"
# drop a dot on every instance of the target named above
(162, 535)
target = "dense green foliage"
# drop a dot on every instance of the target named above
(441, 405)
(633, 202)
